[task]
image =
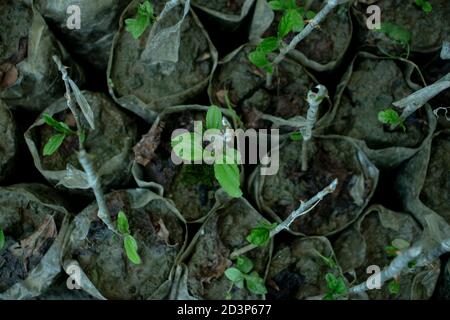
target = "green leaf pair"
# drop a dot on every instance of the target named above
(336, 287)
(260, 57)
(129, 243)
(143, 19)
(57, 140)
(260, 235)
(424, 5)
(241, 276)
(391, 117)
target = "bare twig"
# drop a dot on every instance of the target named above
(304, 208)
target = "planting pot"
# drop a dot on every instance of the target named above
(34, 223)
(224, 14)
(371, 85)
(98, 252)
(246, 87)
(443, 291)
(28, 76)
(427, 30)
(165, 67)
(365, 244)
(208, 255)
(109, 144)
(191, 187)
(329, 158)
(98, 23)
(298, 269)
(423, 182)
(8, 141)
(324, 47)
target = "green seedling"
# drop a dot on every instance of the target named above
(242, 276)
(424, 5)
(336, 287)
(398, 34)
(143, 19)
(393, 250)
(226, 173)
(260, 235)
(63, 131)
(2, 239)
(394, 287)
(391, 117)
(293, 20)
(296, 136)
(129, 243)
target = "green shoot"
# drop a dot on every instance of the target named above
(296, 136)
(260, 235)
(391, 117)
(293, 20)
(2, 239)
(336, 287)
(394, 287)
(129, 243)
(226, 173)
(424, 5)
(57, 140)
(143, 19)
(396, 33)
(241, 276)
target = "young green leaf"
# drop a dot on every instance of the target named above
(214, 118)
(427, 7)
(2, 239)
(229, 178)
(291, 21)
(394, 287)
(260, 59)
(391, 251)
(276, 5)
(391, 117)
(244, 264)
(131, 249)
(188, 146)
(296, 136)
(396, 32)
(143, 19)
(59, 126)
(259, 236)
(310, 15)
(268, 45)
(234, 275)
(122, 223)
(255, 284)
(53, 144)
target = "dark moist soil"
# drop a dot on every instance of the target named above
(15, 22)
(325, 44)
(132, 76)
(435, 193)
(223, 233)
(247, 91)
(334, 158)
(428, 30)
(222, 6)
(159, 234)
(192, 187)
(8, 141)
(19, 220)
(374, 85)
(105, 142)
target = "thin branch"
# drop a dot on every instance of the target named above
(304, 208)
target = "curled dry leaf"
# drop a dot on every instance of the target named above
(144, 151)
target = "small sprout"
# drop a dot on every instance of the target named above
(129, 243)
(396, 246)
(57, 140)
(241, 277)
(336, 287)
(214, 118)
(391, 117)
(2, 239)
(259, 236)
(396, 33)
(143, 19)
(394, 287)
(424, 5)
(296, 136)
(53, 144)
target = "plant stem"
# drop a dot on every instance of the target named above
(321, 15)
(304, 208)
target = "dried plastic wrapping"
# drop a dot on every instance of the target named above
(422, 183)
(299, 268)
(329, 157)
(37, 81)
(98, 22)
(109, 145)
(221, 15)
(323, 49)
(40, 252)
(170, 63)
(192, 188)
(8, 141)
(200, 273)
(357, 98)
(98, 256)
(364, 245)
(263, 107)
(406, 14)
